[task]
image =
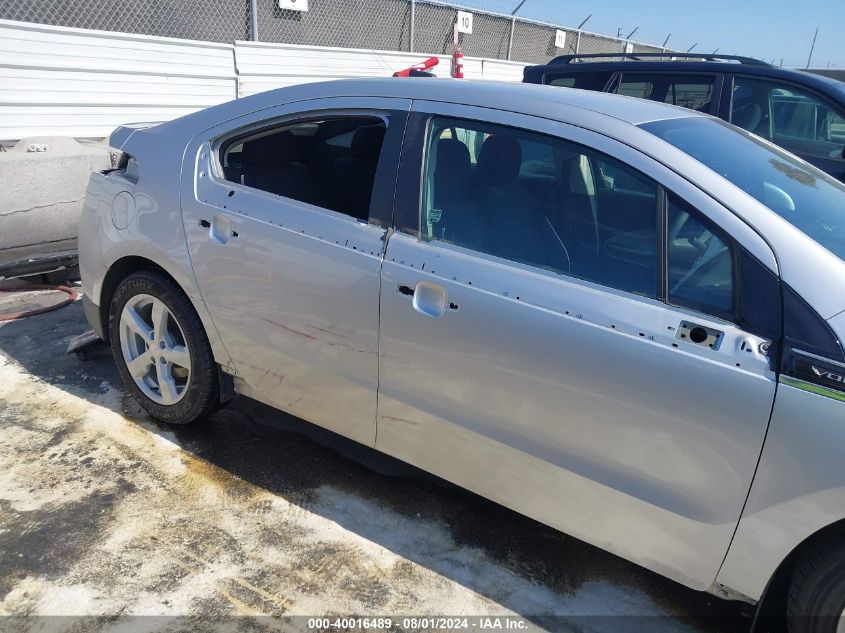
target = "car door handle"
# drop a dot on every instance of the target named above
(219, 228)
(429, 299)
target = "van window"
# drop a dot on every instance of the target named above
(584, 80)
(688, 91)
(330, 163)
(788, 116)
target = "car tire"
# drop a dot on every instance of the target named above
(816, 600)
(161, 350)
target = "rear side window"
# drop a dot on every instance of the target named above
(789, 116)
(541, 201)
(582, 80)
(330, 163)
(688, 91)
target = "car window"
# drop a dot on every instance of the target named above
(329, 162)
(689, 91)
(585, 80)
(700, 262)
(541, 201)
(804, 196)
(791, 117)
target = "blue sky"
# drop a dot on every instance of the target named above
(760, 28)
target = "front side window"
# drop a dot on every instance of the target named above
(801, 194)
(330, 163)
(788, 116)
(541, 201)
(689, 91)
(700, 262)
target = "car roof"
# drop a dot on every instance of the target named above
(531, 99)
(829, 86)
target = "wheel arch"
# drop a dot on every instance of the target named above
(116, 273)
(124, 266)
(771, 608)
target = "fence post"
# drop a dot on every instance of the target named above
(578, 42)
(510, 38)
(411, 37)
(253, 14)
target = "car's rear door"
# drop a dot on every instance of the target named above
(528, 350)
(283, 213)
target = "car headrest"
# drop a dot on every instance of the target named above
(453, 164)
(275, 149)
(747, 116)
(367, 140)
(499, 160)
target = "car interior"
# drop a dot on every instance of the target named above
(565, 208)
(330, 163)
(788, 117)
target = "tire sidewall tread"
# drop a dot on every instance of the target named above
(816, 597)
(203, 392)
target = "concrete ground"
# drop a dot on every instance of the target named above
(105, 512)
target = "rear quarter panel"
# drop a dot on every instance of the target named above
(152, 226)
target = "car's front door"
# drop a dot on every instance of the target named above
(793, 117)
(281, 211)
(528, 350)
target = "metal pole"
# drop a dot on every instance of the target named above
(253, 14)
(809, 59)
(510, 38)
(411, 37)
(578, 43)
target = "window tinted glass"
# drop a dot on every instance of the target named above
(581, 80)
(700, 263)
(540, 201)
(801, 194)
(688, 91)
(788, 116)
(330, 163)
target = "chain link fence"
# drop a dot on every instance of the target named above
(423, 26)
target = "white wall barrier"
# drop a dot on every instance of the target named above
(60, 81)
(262, 66)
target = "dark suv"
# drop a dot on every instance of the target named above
(801, 112)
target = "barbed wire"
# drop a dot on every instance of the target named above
(424, 26)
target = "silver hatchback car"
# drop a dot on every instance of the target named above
(620, 318)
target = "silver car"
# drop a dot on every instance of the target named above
(620, 318)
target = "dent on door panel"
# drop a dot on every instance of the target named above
(531, 395)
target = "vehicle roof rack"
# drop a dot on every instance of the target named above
(566, 59)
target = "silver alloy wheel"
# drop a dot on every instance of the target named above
(840, 627)
(154, 349)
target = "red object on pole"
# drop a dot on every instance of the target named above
(418, 68)
(457, 70)
(457, 63)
